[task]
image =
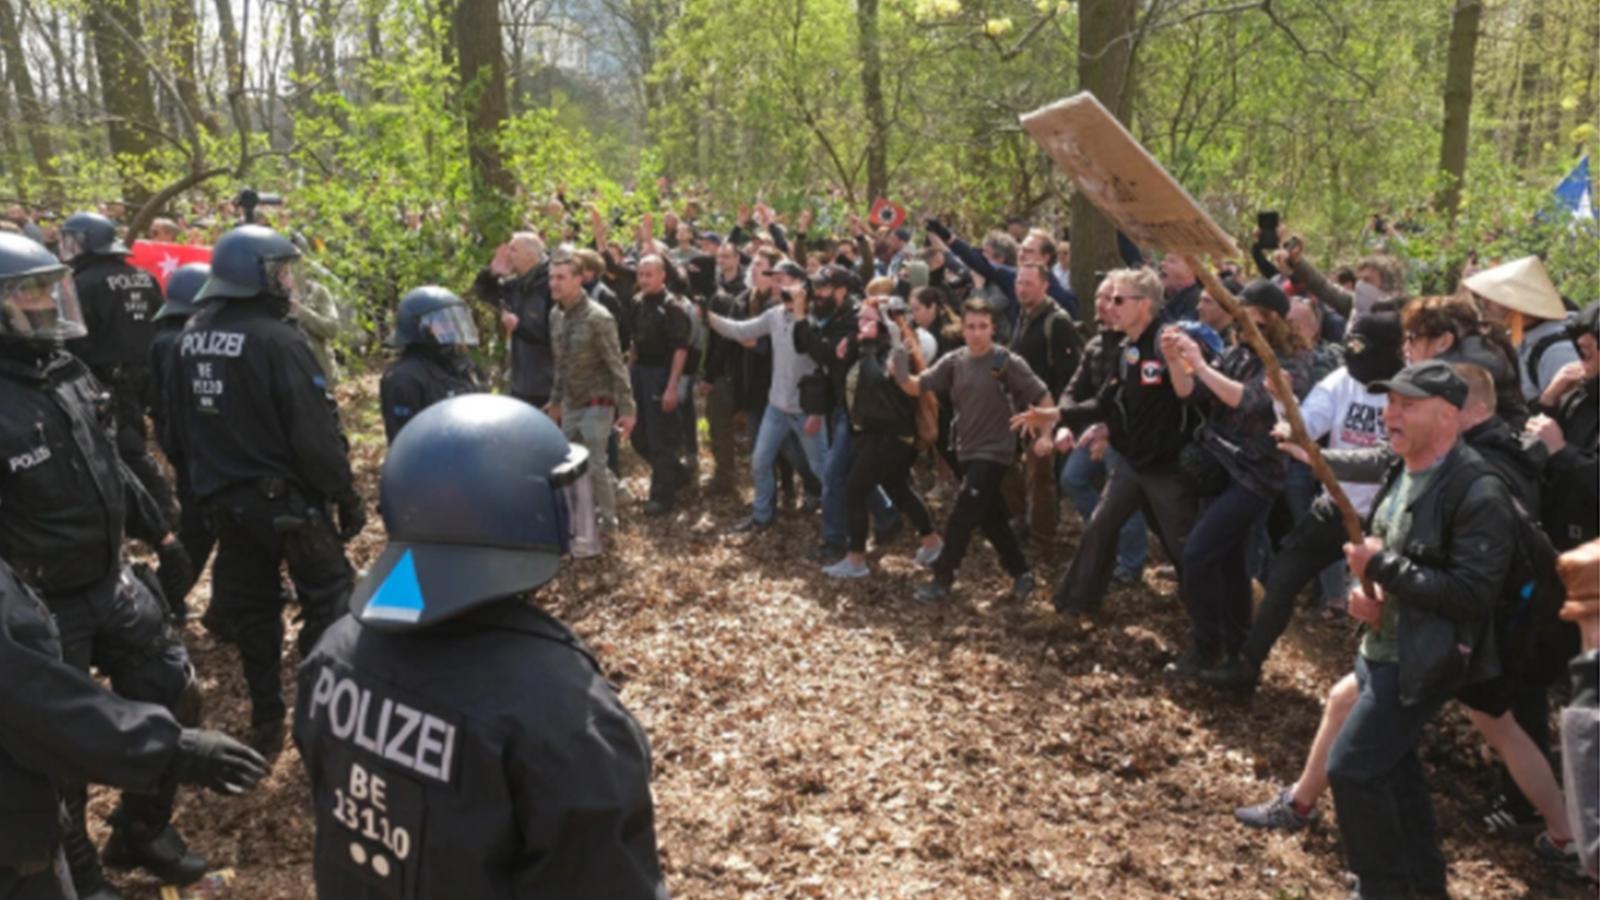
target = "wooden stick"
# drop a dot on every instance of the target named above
(1291, 407)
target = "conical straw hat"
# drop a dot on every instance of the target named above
(1522, 285)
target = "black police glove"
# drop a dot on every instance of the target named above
(352, 515)
(219, 762)
(938, 230)
(176, 575)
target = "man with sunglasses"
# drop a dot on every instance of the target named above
(1148, 425)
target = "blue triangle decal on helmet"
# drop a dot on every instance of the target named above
(399, 598)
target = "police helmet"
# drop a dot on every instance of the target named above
(472, 501)
(38, 302)
(251, 260)
(432, 315)
(89, 232)
(182, 288)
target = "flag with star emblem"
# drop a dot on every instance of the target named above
(161, 259)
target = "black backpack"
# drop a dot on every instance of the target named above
(1529, 636)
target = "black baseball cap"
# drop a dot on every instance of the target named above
(835, 276)
(1432, 378)
(790, 268)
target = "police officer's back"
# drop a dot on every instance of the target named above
(182, 288)
(266, 458)
(461, 742)
(119, 304)
(434, 329)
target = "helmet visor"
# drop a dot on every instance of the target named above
(41, 307)
(282, 276)
(449, 326)
(70, 245)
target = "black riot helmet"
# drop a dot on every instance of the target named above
(252, 260)
(433, 316)
(472, 501)
(90, 233)
(38, 303)
(182, 289)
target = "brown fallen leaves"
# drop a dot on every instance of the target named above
(815, 738)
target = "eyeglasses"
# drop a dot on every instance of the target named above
(1119, 299)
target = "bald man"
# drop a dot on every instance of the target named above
(517, 281)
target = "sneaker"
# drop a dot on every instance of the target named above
(1188, 666)
(1551, 853)
(932, 592)
(1235, 673)
(927, 556)
(749, 525)
(826, 554)
(847, 568)
(163, 854)
(1022, 587)
(1508, 814)
(1277, 814)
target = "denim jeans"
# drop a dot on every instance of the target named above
(776, 426)
(1214, 575)
(1380, 790)
(1078, 477)
(835, 476)
(791, 459)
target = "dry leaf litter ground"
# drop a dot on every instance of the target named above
(813, 738)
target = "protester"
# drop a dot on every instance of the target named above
(1234, 463)
(1519, 297)
(985, 382)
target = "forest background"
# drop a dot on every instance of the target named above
(408, 135)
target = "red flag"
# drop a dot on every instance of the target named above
(887, 214)
(161, 259)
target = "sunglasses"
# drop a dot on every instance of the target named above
(1119, 299)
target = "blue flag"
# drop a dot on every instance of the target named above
(1576, 191)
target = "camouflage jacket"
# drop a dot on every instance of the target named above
(588, 359)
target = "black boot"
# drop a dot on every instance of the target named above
(83, 861)
(266, 738)
(1236, 673)
(161, 852)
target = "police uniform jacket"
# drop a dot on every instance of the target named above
(484, 757)
(250, 403)
(60, 725)
(421, 377)
(64, 494)
(119, 308)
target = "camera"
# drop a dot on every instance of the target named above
(249, 198)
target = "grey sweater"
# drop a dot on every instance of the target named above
(788, 365)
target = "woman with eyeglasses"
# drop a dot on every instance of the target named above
(1451, 328)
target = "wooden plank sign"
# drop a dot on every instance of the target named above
(1124, 181)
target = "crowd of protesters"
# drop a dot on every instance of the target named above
(894, 377)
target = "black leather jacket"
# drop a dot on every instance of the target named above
(1449, 576)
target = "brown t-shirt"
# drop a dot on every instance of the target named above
(985, 391)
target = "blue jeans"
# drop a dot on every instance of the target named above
(1078, 477)
(1215, 579)
(1380, 791)
(776, 426)
(789, 453)
(835, 476)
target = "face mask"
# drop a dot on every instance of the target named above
(1373, 365)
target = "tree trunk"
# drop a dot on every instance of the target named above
(872, 99)
(301, 76)
(326, 49)
(185, 36)
(1530, 88)
(124, 86)
(1458, 104)
(233, 61)
(1105, 68)
(28, 108)
(481, 66)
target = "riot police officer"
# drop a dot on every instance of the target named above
(259, 434)
(63, 727)
(460, 741)
(64, 499)
(119, 303)
(182, 287)
(434, 329)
